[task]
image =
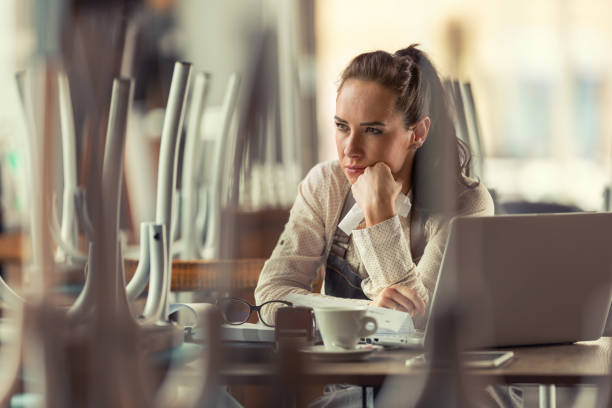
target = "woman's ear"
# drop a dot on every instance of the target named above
(421, 130)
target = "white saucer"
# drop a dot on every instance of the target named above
(319, 352)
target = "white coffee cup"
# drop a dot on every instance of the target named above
(342, 327)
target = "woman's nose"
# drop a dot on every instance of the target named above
(352, 145)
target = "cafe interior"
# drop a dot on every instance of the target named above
(167, 170)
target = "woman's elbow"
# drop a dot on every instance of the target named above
(261, 293)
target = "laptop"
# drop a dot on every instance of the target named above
(522, 280)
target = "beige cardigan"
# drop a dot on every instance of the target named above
(383, 249)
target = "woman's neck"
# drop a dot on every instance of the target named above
(405, 174)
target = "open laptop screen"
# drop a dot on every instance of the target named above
(526, 279)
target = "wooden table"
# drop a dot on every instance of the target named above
(579, 363)
(12, 247)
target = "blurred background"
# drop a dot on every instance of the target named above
(540, 73)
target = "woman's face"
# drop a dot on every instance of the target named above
(369, 130)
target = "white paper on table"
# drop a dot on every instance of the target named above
(355, 215)
(387, 319)
(251, 332)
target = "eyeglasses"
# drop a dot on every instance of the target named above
(238, 311)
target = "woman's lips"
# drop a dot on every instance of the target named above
(354, 170)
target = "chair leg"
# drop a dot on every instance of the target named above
(548, 396)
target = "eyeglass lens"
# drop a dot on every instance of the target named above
(235, 311)
(267, 312)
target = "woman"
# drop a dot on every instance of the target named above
(400, 161)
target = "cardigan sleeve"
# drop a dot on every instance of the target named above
(299, 250)
(302, 247)
(384, 248)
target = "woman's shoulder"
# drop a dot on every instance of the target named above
(327, 168)
(324, 188)
(327, 175)
(474, 198)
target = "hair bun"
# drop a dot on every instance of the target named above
(411, 52)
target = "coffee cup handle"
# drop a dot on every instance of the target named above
(364, 323)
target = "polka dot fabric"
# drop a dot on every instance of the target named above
(379, 254)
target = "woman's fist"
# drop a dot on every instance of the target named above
(375, 192)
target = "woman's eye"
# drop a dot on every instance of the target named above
(373, 130)
(341, 126)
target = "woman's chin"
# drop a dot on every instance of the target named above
(351, 178)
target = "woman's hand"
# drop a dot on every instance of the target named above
(375, 191)
(399, 297)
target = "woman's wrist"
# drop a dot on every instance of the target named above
(377, 215)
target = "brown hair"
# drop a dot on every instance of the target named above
(443, 159)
